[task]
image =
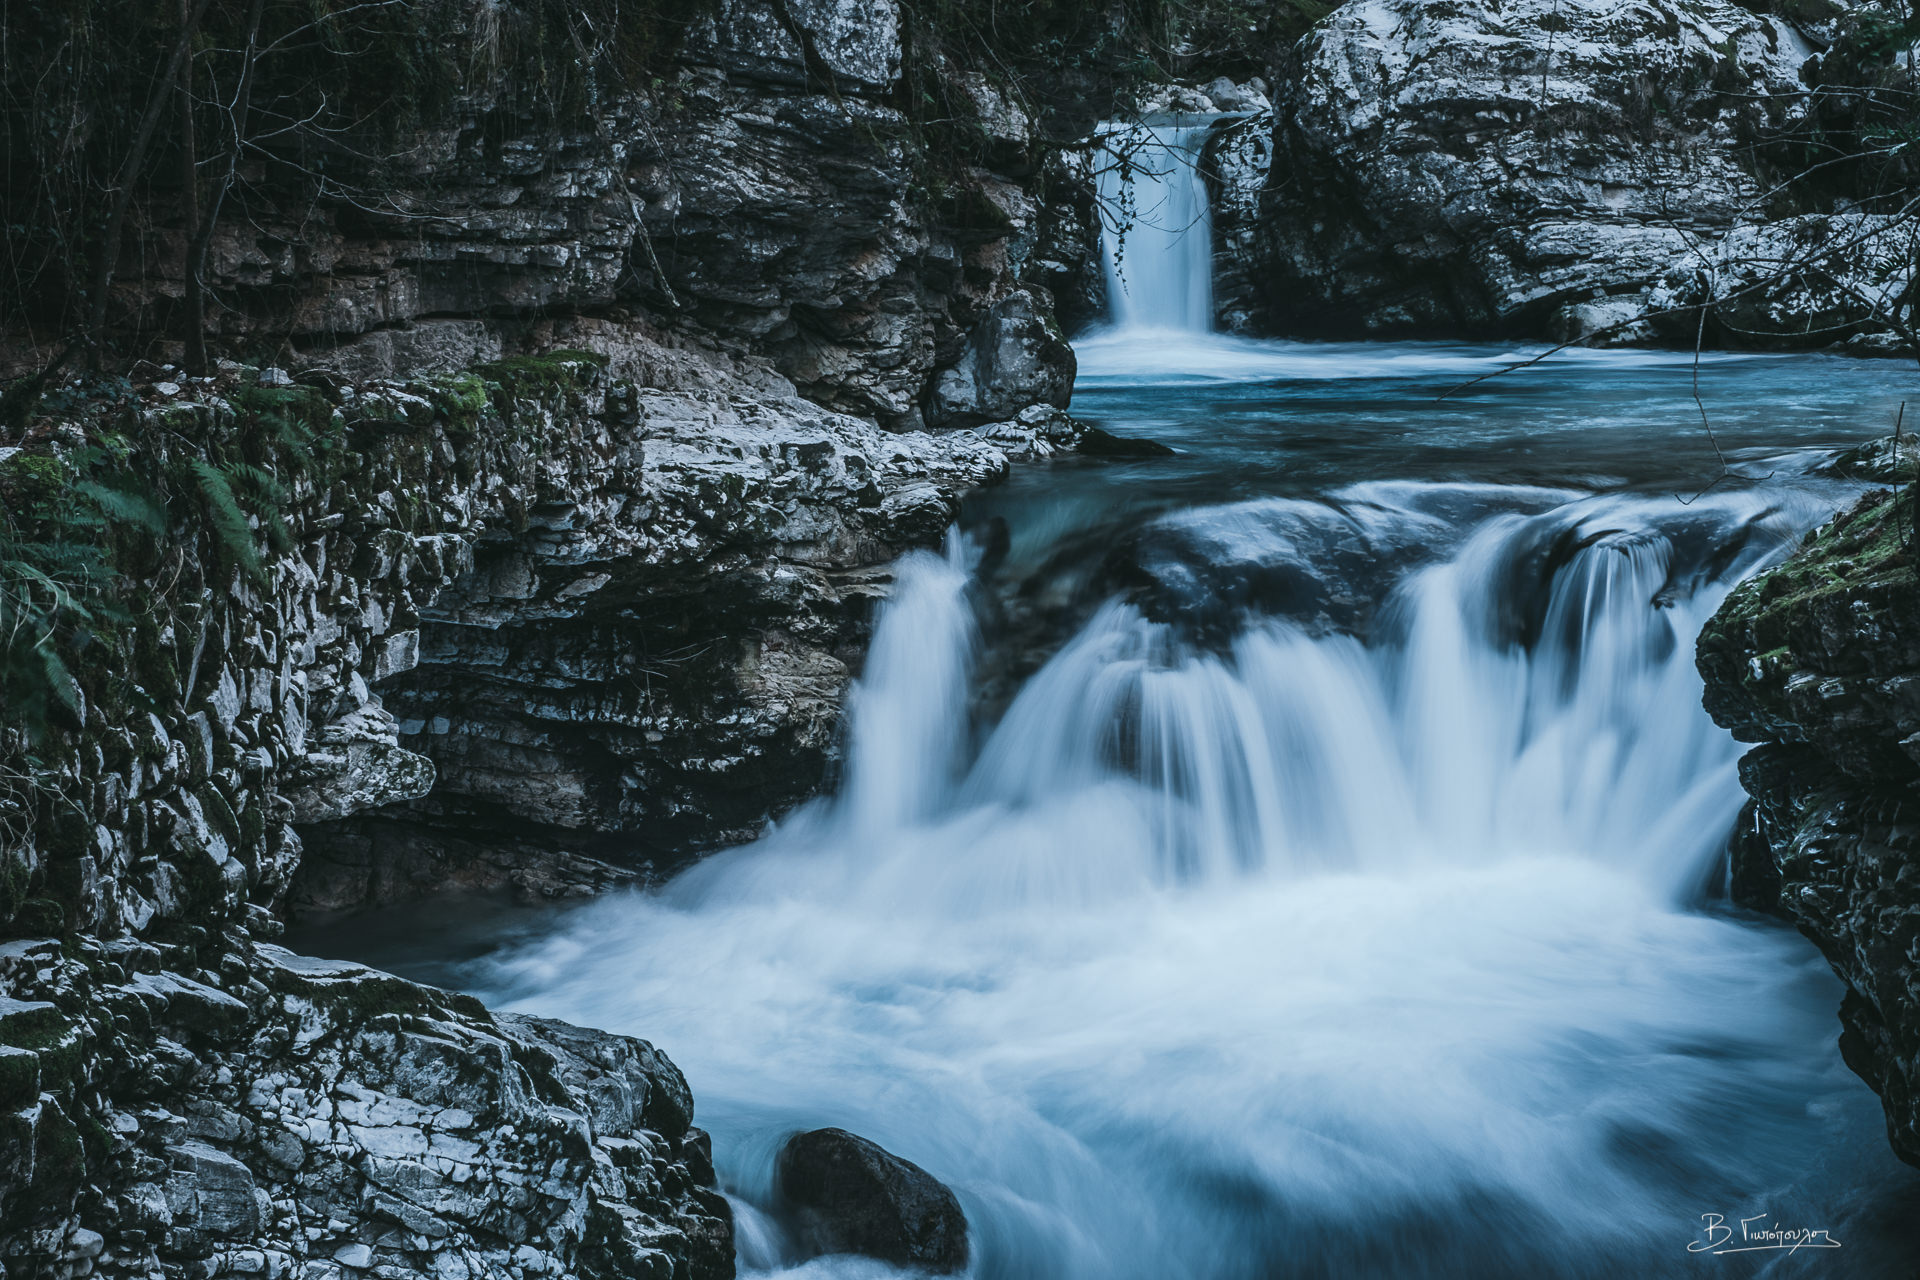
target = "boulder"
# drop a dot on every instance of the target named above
(1485, 167)
(851, 1196)
(1015, 356)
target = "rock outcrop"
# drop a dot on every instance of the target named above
(760, 184)
(1818, 661)
(517, 556)
(1537, 169)
(850, 1195)
(281, 1116)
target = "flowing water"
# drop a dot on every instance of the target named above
(1301, 855)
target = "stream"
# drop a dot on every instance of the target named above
(1301, 855)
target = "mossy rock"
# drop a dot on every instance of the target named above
(33, 486)
(543, 375)
(1865, 547)
(19, 1077)
(462, 400)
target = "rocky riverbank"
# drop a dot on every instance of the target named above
(514, 554)
(590, 391)
(1818, 662)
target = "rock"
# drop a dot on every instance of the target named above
(1016, 356)
(1236, 157)
(850, 1196)
(350, 1119)
(1482, 167)
(790, 42)
(210, 1195)
(1066, 254)
(1774, 284)
(1818, 660)
(354, 764)
(1104, 444)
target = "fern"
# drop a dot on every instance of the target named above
(229, 522)
(124, 507)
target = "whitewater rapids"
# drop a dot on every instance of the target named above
(1303, 955)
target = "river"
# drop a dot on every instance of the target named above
(1299, 855)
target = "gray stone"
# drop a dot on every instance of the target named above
(1016, 356)
(1483, 167)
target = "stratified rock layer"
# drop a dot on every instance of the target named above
(1818, 661)
(1548, 167)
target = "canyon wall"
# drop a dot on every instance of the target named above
(1577, 170)
(528, 538)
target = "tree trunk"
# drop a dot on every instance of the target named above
(109, 255)
(193, 304)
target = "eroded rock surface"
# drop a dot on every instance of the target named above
(1818, 661)
(278, 1116)
(1534, 168)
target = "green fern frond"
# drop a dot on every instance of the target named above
(229, 522)
(123, 507)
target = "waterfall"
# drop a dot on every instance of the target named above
(1283, 951)
(1156, 233)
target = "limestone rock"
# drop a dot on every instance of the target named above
(1818, 660)
(1482, 167)
(1820, 277)
(337, 1117)
(1015, 357)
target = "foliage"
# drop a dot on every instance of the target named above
(81, 523)
(56, 577)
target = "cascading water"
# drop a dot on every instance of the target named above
(1157, 235)
(1289, 955)
(1337, 899)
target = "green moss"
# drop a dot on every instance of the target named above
(19, 1079)
(562, 370)
(33, 485)
(1862, 550)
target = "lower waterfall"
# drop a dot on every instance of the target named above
(1300, 856)
(1275, 953)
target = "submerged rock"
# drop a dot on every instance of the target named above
(852, 1196)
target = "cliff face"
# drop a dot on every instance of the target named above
(763, 185)
(760, 237)
(549, 620)
(1568, 169)
(636, 607)
(1818, 661)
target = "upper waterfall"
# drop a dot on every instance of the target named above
(1156, 237)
